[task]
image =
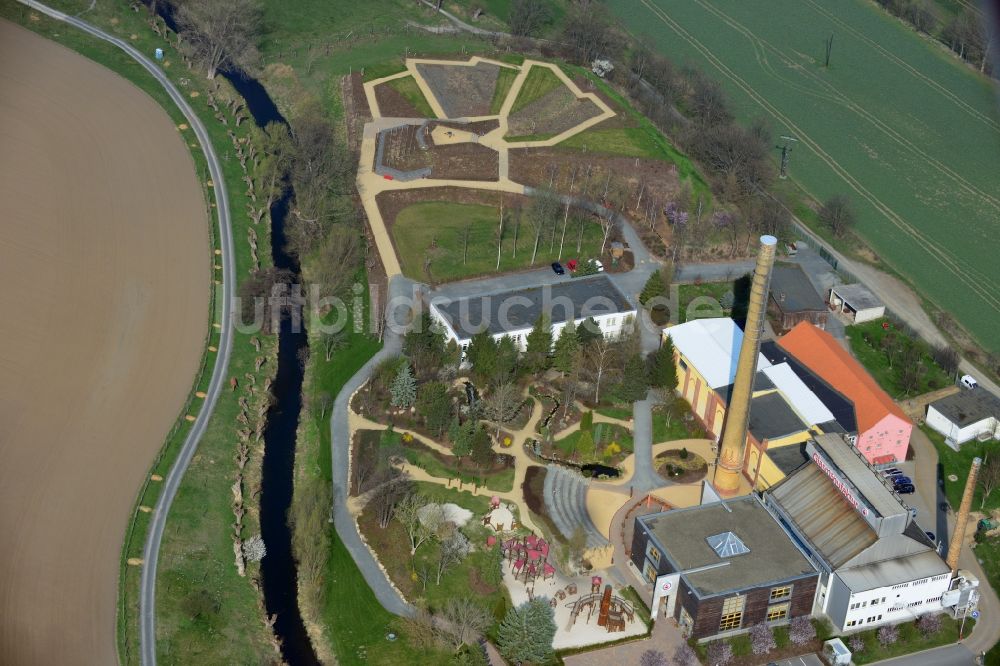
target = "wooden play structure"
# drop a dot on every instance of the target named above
(612, 611)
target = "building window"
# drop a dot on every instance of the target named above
(777, 612)
(684, 366)
(914, 603)
(649, 571)
(653, 553)
(779, 593)
(874, 602)
(851, 623)
(934, 600)
(732, 613)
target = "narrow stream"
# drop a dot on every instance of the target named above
(278, 571)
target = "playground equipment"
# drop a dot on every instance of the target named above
(613, 612)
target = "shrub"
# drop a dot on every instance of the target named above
(856, 643)
(888, 635)
(929, 624)
(587, 421)
(762, 638)
(720, 653)
(802, 630)
(684, 454)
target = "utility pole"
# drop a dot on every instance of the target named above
(786, 150)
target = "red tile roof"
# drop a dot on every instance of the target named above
(822, 354)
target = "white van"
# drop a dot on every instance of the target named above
(968, 381)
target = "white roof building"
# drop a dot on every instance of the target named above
(809, 407)
(713, 346)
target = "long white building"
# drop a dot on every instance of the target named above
(513, 313)
(876, 564)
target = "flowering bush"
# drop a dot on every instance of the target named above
(507, 441)
(802, 630)
(888, 635)
(762, 638)
(929, 624)
(407, 437)
(720, 653)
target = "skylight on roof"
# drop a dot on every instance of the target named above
(727, 544)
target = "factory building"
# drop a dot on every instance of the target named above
(876, 565)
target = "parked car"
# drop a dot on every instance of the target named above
(892, 471)
(930, 535)
(558, 269)
(904, 488)
(598, 265)
(901, 480)
(968, 381)
(944, 506)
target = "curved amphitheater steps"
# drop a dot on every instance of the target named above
(566, 503)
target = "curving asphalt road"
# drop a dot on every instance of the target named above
(151, 550)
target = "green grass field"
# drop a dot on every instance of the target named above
(540, 80)
(866, 345)
(505, 79)
(895, 122)
(444, 223)
(408, 88)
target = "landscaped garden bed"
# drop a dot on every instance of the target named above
(674, 420)
(402, 98)
(462, 91)
(681, 466)
(901, 363)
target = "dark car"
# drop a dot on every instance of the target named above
(930, 535)
(558, 269)
(944, 506)
(904, 488)
(901, 480)
(892, 471)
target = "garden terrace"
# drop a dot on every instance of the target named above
(463, 90)
(402, 98)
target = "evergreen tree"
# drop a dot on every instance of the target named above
(506, 360)
(482, 448)
(635, 379)
(526, 632)
(536, 357)
(434, 403)
(424, 345)
(654, 287)
(482, 355)
(404, 388)
(567, 348)
(664, 370)
(462, 435)
(588, 331)
(493, 566)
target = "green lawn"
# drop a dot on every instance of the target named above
(698, 301)
(444, 224)
(540, 80)
(879, 125)
(910, 641)
(505, 79)
(604, 434)
(408, 88)
(959, 463)
(675, 421)
(866, 344)
(502, 481)
(623, 413)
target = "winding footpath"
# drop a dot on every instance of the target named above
(158, 519)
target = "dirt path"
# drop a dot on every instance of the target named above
(104, 258)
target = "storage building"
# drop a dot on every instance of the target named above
(966, 415)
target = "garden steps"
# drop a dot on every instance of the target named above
(565, 494)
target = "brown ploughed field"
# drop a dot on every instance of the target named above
(105, 267)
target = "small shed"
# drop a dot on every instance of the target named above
(966, 415)
(836, 653)
(856, 302)
(794, 299)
